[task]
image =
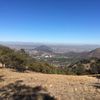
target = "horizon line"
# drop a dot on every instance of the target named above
(45, 43)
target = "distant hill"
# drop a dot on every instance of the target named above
(95, 53)
(44, 48)
(90, 54)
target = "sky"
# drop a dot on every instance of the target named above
(50, 21)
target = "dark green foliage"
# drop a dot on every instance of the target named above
(85, 61)
(79, 70)
(95, 68)
(45, 68)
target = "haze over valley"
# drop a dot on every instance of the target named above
(58, 48)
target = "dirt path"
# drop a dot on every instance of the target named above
(63, 87)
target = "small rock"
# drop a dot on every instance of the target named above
(51, 85)
(75, 89)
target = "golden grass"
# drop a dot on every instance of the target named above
(64, 87)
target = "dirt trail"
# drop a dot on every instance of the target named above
(63, 87)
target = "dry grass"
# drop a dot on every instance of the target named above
(64, 87)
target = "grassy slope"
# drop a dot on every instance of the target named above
(61, 86)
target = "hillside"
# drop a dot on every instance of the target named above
(95, 53)
(62, 87)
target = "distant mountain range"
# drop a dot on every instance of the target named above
(93, 53)
(57, 48)
(73, 51)
(87, 54)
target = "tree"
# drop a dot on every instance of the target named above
(95, 68)
(79, 69)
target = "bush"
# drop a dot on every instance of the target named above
(79, 70)
(95, 68)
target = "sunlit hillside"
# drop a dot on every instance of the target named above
(61, 87)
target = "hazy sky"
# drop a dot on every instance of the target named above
(50, 21)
